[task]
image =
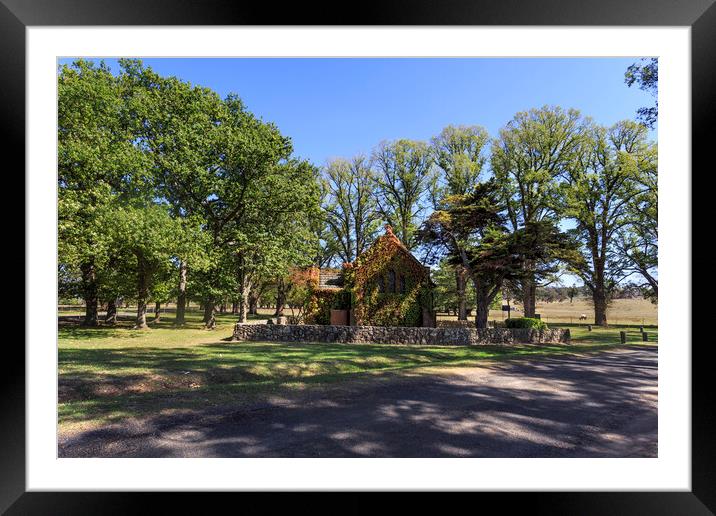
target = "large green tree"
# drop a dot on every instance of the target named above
(601, 184)
(225, 180)
(531, 153)
(275, 231)
(181, 126)
(153, 238)
(98, 162)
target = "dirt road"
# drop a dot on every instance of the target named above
(593, 405)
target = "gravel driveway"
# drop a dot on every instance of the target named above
(593, 405)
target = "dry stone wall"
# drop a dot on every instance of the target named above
(442, 323)
(398, 335)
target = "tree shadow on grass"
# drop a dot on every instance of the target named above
(595, 406)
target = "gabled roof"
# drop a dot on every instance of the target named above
(389, 235)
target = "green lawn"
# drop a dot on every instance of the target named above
(581, 334)
(107, 374)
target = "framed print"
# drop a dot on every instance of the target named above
(271, 249)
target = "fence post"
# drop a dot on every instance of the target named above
(589, 327)
(644, 336)
(622, 337)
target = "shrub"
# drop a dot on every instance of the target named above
(525, 322)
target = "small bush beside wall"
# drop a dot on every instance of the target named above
(525, 322)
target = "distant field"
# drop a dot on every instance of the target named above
(621, 311)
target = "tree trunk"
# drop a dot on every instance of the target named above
(599, 296)
(234, 307)
(141, 321)
(111, 317)
(280, 297)
(89, 293)
(181, 297)
(244, 291)
(157, 311)
(529, 291)
(461, 281)
(599, 290)
(209, 317)
(244, 304)
(142, 295)
(482, 307)
(481, 315)
(253, 304)
(484, 296)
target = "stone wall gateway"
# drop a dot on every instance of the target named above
(398, 335)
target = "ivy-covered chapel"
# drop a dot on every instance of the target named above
(385, 286)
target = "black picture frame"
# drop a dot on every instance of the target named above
(700, 15)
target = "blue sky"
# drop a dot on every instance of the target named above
(341, 107)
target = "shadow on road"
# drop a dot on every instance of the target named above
(600, 405)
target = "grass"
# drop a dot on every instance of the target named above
(110, 373)
(581, 335)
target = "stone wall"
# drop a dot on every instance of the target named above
(449, 323)
(398, 335)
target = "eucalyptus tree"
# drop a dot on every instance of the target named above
(531, 153)
(459, 154)
(350, 205)
(97, 162)
(601, 185)
(645, 74)
(403, 182)
(637, 243)
(329, 248)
